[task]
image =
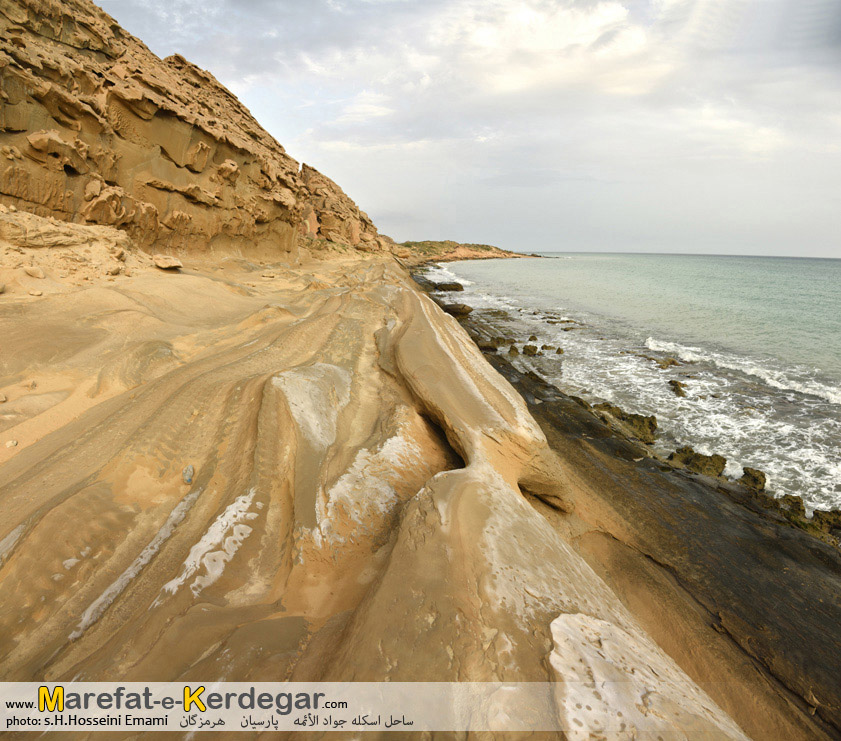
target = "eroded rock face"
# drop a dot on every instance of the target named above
(94, 128)
(753, 479)
(638, 425)
(708, 465)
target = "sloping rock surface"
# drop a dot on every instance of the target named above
(94, 128)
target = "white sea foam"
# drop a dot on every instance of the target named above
(441, 273)
(774, 378)
(784, 420)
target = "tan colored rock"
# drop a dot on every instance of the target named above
(36, 293)
(22, 229)
(166, 262)
(33, 272)
(88, 104)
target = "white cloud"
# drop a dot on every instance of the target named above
(511, 120)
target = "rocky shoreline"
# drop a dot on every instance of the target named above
(417, 255)
(759, 582)
(483, 327)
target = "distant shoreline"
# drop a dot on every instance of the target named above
(416, 254)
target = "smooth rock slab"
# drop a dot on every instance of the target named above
(166, 262)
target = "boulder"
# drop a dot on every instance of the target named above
(678, 388)
(640, 426)
(166, 262)
(793, 504)
(827, 521)
(530, 350)
(488, 346)
(450, 286)
(33, 272)
(457, 309)
(513, 350)
(708, 465)
(533, 338)
(753, 479)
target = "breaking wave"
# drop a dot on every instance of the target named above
(774, 378)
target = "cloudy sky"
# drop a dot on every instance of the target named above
(642, 125)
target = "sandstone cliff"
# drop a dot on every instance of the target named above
(250, 469)
(94, 128)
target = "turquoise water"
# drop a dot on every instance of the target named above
(758, 340)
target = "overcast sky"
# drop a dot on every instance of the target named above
(643, 125)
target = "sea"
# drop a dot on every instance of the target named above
(757, 341)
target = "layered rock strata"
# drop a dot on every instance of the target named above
(96, 129)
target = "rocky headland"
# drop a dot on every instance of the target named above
(419, 253)
(239, 443)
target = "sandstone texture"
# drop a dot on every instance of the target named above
(283, 461)
(744, 594)
(96, 129)
(166, 262)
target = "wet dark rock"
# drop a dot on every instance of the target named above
(707, 465)
(662, 362)
(530, 350)
(457, 309)
(641, 426)
(547, 347)
(533, 338)
(559, 351)
(678, 388)
(423, 282)
(487, 345)
(827, 521)
(753, 479)
(793, 504)
(750, 567)
(449, 286)
(513, 350)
